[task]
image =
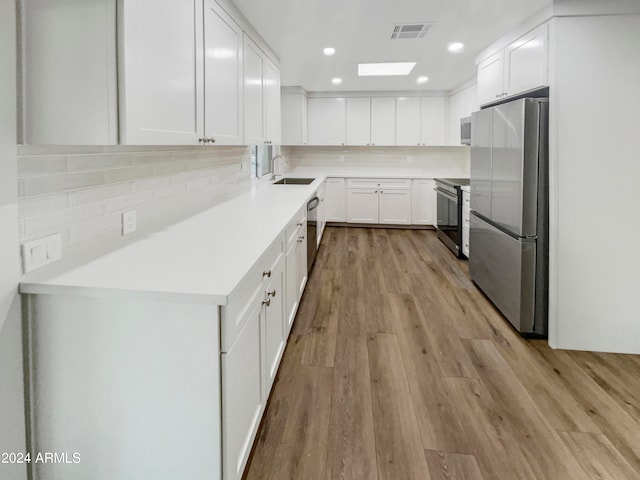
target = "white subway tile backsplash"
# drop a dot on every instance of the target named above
(97, 162)
(127, 201)
(151, 183)
(170, 190)
(81, 191)
(80, 197)
(128, 174)
(38, 205)
(49, 222)
(94, 227)
(45, 184)
(42, 165)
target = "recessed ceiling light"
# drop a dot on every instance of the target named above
(384, 69)
(329, 51)
(455, 47)
(336, 81)
(422, 79)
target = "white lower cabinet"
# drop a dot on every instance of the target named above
(243, 397)
(301, 261)
(362, 205)
(385, 201)
(423, 202)
(294, 257)
(394, 207)
(466, 217)
(335, 200)
(321, 212)
(273, 326)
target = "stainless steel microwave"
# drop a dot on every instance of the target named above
(465, 131)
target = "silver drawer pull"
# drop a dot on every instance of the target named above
(266, 273)
(266, 302)
(272, 293)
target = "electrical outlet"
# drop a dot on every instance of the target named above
(129, 222)
(41, 252)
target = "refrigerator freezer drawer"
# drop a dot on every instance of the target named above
(504, 269)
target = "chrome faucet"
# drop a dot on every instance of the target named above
(273, 162)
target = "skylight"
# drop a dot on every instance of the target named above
(385, 69)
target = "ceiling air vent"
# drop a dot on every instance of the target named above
(410, 30)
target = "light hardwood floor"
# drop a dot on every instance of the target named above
(399, 368)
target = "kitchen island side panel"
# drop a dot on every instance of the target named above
(131, 387)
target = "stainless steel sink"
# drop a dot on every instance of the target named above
(294, 181)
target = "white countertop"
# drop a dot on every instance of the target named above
(198, 260)
(368, 172)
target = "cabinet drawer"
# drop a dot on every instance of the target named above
(362, 183)
(388, 183)
(241, 301)
(294, 229)
(394, 184)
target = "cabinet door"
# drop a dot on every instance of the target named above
(423, 202)
(301, 260)
(408, 121)
(294, 119)
(272, 103)
(161, 73)
(223, 105)
(395, 207)
(358, 121)
(253, 93)
(291, 286)
(433, 120)
(326, 121)
(526, 62)
(362, 205)
(491, 78)
(273, 324)
(383, 121)
(69, 72)
(457, 110)
(322, 211)
(242, 394)
(335, 200)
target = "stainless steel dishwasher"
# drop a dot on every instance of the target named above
(312, 225)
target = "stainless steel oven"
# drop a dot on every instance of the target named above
(449, 219)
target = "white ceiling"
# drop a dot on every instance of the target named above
(360, 31)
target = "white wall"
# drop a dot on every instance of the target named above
(595, 197)
(12, 434)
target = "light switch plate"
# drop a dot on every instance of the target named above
(41, 252)
(129, 222)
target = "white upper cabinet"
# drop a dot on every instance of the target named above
(420, 121)
(222, 77)
(326, 121)
(294, 119)
(383, 120)
(69, 80)
(272, 126)
(253, 93)
(526, 62)
(161, 73)
(519, 67)
(358, 121)
(433, 114)
(408, 125)
(491, 78)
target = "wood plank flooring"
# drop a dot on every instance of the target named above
(399, 368)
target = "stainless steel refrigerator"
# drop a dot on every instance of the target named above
(508, 236)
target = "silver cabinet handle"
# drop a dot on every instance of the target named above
(299, 224)
(381, 191)
(202, 140)
(300, 239)
(266, 273)
(266, 302)
(272, 293)
(212, 140)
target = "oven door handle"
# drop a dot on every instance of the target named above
(449, 195)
